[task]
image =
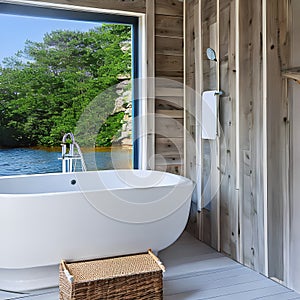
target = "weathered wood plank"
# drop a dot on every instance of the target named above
(293, 267)
(232, 193)
(229, 206)
(172, 113)
(211, 172)
(164, 159)
(169, 7)
(168, 92)
(252, 141)
(247, 215)
(198, 57)
(293, 209)
(257, 198)
(168, 127)
(224, 4)
(168, 83)
(206, 282)
(190, 106)
(169, 46)
(169, 102)
(293, 73)
(225, 23)
(169, 145)
(254, 288)
(276, 114)
(209, 11)
(175, 169)
(150, 142)
(169, 26)
(168, 65)
(225, 119)
(284, 9)
(163, 73)
(178, 79)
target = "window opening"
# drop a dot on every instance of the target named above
(42, 109)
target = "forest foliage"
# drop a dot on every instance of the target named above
(45, 88)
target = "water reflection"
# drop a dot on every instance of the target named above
(18, 161)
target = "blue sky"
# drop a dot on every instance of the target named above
(15, 30)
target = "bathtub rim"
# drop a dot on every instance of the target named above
(182, 181)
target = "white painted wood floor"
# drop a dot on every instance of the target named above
(195, 271)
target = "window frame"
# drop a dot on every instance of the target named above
(64, 12)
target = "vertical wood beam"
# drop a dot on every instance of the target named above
(219, 130)
(276, 116)
(237, 129)
(250, 102)
(229, 214)
(265, 137)
(232, 87)
(185, 96)
(285, 49)
(198, 108)
(150, 25)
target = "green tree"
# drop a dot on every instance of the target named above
(45, 88)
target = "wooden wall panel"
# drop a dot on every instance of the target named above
(228, 205)
(190, 108)
(293, 207)
(169, 26)
(169, 7)
(169, 46)
(252, 214)
(247, 211)
(209, 11)
(231, 136)
(169, 93)
(276, 124)
(168, 65)
(210, 212)
(170, 146)
(169, 128)
(227, 166)
(257, 148)
(168, 103)
(254, 119)
(150, 106)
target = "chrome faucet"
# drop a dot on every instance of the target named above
(69, 156)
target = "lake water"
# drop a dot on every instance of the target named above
(38, 161)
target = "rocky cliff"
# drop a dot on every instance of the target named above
(124, 104)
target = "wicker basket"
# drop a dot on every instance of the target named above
(128, 277)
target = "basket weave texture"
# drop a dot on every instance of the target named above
(128, 277)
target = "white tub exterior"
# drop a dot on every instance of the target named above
(76, 216)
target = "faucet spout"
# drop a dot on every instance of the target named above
(70, 135)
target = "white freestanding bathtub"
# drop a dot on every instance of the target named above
(76, 216)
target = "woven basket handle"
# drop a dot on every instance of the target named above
(66, 271)
(157, 260)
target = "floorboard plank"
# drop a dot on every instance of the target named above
(281, 296)
(215, 274)
(245, 291)
(270, 292)
(203, 283)
(51, 296)
(9, 295)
